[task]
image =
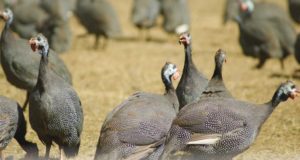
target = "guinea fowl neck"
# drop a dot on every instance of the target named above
(188, 62)
(170, 93)
(5, 30)
(42, 80)
(218, 71)
(268, 108)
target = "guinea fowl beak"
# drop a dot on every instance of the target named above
(294, 93)
(176, 75)
(33, 44)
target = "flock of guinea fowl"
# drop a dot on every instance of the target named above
(200, 119)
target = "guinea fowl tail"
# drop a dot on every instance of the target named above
(71, 151)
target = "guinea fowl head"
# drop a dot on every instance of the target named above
(169, 71)
(7, 15)
(246, 6)
(220, 58)
(285, 90)
(39, 43)
(185, 39)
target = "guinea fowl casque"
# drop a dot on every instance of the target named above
(265, 35)
(192, 82)
(137, 128)
(55, 111)
(144, 15)
(99, 18)
(13, 125)
(19, 63)
(221, 128)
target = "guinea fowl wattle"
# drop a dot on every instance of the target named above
(55, 111)
(192, 82)
(20, 64)
(221, 128)
(137, 128)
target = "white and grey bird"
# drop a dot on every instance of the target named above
(144, 15)
(221, 128)
(18, 61)
(55, 110)
(137, 128)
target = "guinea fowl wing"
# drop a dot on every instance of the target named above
(140, 129)
(210, 116)
(7, 125)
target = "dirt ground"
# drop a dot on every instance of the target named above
(104, 78)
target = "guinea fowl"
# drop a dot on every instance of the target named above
(144, 14)
(221, 128)
(216, 86)
(265, 35)
(294, 8)
(99, 18)
(192, 82)
(13, 125)
(176, 16)
(137, 128)
(57, 28)
(26, 23)
(19, 63)
(55, 111)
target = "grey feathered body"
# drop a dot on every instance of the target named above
(238, 122)
(145, 12)
(8, 121)
(175, 13)
(20, 63)
(55, 111)
(137, 128)
(26, 23)
(267, 35)
(98, 17)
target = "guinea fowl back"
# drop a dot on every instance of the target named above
(145, 13)
(176, 16)
(102, 19)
